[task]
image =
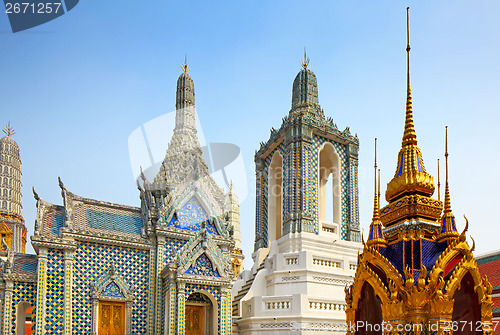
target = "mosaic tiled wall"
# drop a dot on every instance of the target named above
(22, 292)
(309, 156)
(91, 262)
(54, 317)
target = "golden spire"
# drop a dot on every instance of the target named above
(378, 193)
(305, 63)
(409, 136)
(184, 66)
(439, 184)
(448, 227)
(411, 176)
(8, 130)
(376, 236)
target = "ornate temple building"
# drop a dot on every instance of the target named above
(166, 267)
(12, 226)
(304, 256)
(417, 273)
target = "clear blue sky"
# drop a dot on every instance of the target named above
(76, 87)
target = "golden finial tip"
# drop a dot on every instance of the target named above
(184, 66)
(305, 63)
(8, 130)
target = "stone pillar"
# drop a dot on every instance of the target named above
(41, 297)
(225, 322)
(7, 310)
(68, 291)
(170, 306)
(160, 259)
(151, 297)
(353, 233)
(181, 301)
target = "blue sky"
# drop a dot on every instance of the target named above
(76, 87)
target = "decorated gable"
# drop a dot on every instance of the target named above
(191, 216)
(203, 267)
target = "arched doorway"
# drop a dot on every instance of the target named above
(23, 318)
(201, 314)
(275, 199)
(329, 184)
(369, 312)
(466, 308)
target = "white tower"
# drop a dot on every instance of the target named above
(12, 228)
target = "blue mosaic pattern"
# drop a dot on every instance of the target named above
(112, 291)
(203, 267)
(171, 248)
(190, 217)
(91, 262)
(114, 222)
(54, 317)
(23, 292)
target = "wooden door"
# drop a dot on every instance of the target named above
(111, 318)
(195, 320)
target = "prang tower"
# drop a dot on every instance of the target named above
(307, 227)
(12, 228)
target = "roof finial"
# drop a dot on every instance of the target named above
(184, 66)
(375, 197)
(305, 63)
(409, 136)
(448, 226)
(439, 184)
(8, 130)
(378, 193)
(447, 201)
(376, 236)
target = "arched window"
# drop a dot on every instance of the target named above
(275, 199)
(466, 308)
(23, 323)
(329, 185)
(4, 204)
(368, 317)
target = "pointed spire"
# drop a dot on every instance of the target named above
(411, 176)
(439, 184)
(185, 111)
(448, 227)
(409, 136)
(376, 236)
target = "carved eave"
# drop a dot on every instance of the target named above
(318, 125)
(411, 207)
(38, 241)
(17, 277)
(107, 238)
